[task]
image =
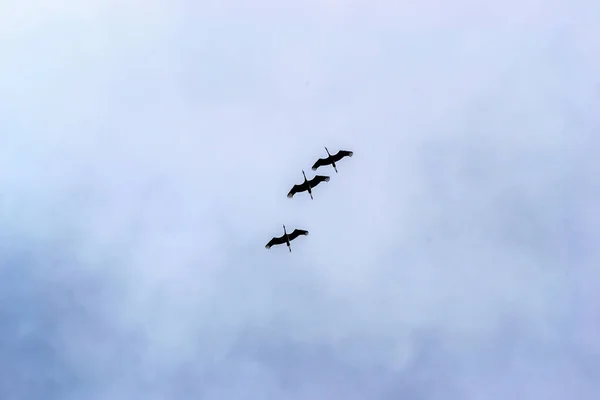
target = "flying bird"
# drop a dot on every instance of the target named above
(307, 185)
(331, 159)
(286, 238)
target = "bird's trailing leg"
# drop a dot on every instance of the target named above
(289, 248)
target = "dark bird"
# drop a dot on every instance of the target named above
(286, 238)
(307, 185)
(331, 159)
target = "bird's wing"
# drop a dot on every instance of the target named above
(275, 241)
(341, 154)
(295, 189)
(297, 232)
(319, 163)
(318, 179)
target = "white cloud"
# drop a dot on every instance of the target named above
(157, 161)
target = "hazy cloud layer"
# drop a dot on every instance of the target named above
(147, 149)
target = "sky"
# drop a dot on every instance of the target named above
(147, 149)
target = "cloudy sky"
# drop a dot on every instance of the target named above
(147, 148)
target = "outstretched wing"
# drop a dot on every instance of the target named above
(318, 179)
(320, 162)
(341, 154)
(275, 241)
(296, 188)
(296, 233)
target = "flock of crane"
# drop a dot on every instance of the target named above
(307, 186)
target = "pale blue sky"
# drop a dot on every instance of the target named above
(147, 149)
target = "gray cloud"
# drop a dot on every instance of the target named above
(146, 162)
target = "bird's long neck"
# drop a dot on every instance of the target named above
(303, 174)
(327, 152)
